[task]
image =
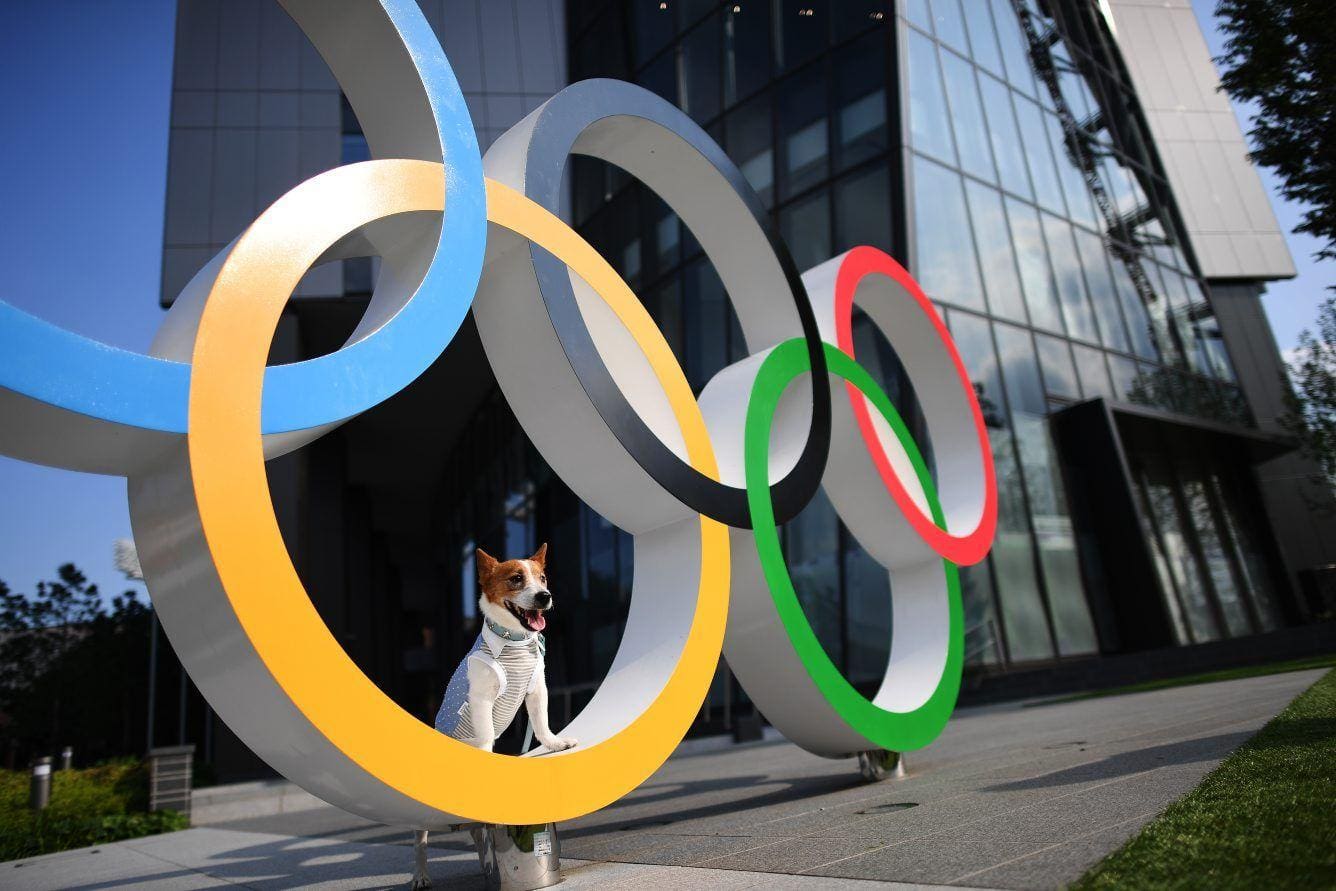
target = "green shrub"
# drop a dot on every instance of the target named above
(90, 806)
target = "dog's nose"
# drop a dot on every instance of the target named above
(543, 599)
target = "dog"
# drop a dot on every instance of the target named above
(504, 667)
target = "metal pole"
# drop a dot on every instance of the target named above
(152, 675)
(39, 793)
(67, 758)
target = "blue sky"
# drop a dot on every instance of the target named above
(85, 87)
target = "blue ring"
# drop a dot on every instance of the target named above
(69, 371)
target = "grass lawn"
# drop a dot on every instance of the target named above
(1265, 818)
(1224, 674)
(88, 807)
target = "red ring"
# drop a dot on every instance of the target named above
(963, 550)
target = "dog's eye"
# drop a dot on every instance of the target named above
(516, 579)
(543, 579)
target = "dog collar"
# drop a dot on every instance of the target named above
(506, 634)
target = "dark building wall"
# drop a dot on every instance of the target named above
(1297, 494)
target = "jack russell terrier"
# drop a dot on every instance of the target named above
(504, 667)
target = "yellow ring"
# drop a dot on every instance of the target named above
(272, 606)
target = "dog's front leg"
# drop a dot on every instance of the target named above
(484, 688)
(535, 704)
(420, 877)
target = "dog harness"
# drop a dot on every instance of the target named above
(515, 657)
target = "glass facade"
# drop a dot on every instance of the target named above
(995, 147)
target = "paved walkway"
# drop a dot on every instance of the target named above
(1009, 797)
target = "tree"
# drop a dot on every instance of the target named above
(1312, 402)
(72, 669)
(1281, 55)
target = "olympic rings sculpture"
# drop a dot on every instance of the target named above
(599, 392)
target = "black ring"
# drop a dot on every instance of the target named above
(557, 127)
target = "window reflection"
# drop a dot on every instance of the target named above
(993, 241)
(803, 138)
(928, 126)
(967, 115)
(1006, 139)
(746, 49)
(943, 264)
(1041, 290)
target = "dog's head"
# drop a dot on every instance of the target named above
(514, 592)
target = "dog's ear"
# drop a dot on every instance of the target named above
(486, 565)
(540, 555)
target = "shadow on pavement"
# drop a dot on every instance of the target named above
(1207, 748)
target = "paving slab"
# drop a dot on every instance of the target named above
(1013, 796)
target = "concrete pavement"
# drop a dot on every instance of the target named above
(1010, 797)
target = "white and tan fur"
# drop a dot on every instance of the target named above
(512, 592)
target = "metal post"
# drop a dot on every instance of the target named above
(66, 758)
(517, 858)
(39, 793)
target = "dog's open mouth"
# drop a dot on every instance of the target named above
(532, 619)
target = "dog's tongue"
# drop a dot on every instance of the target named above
(537, 621)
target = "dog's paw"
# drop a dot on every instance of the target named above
(561, 743)
(420, 880)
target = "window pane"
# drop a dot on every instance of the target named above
(804, 158)
(1071, 285)
(1015, 51)
(855, 16)
(1013, 559)
(1020, 372)
(812, 549)
(1059, 371)
(801, 30)
(1218, 567)
(747, 134)
(746, 49)
(993, 241)
(863, 211)
(700, 75)
(805, 227)
(943, 265)
(975, 344)
(1187, 572)
(1042, 170)
(1094, 375)
(867, 591)
(1247, 541)
(652, 27)
(983, 40)
(967, 114)
(707, 322)
(1074, 187)
(1005, 137)
(1122, 262)
(917, 12)
(1072, 626)
(983, 637)
(928, 127)
(1102, 294)
(861, 99)
(1041, 290)
(950, 24)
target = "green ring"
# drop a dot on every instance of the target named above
(895, 731)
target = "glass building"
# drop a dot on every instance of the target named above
(1104, 300)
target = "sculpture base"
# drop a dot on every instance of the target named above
(518, 858)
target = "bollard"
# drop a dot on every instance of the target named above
(39, 793)
(518, 858)
(67, 758)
